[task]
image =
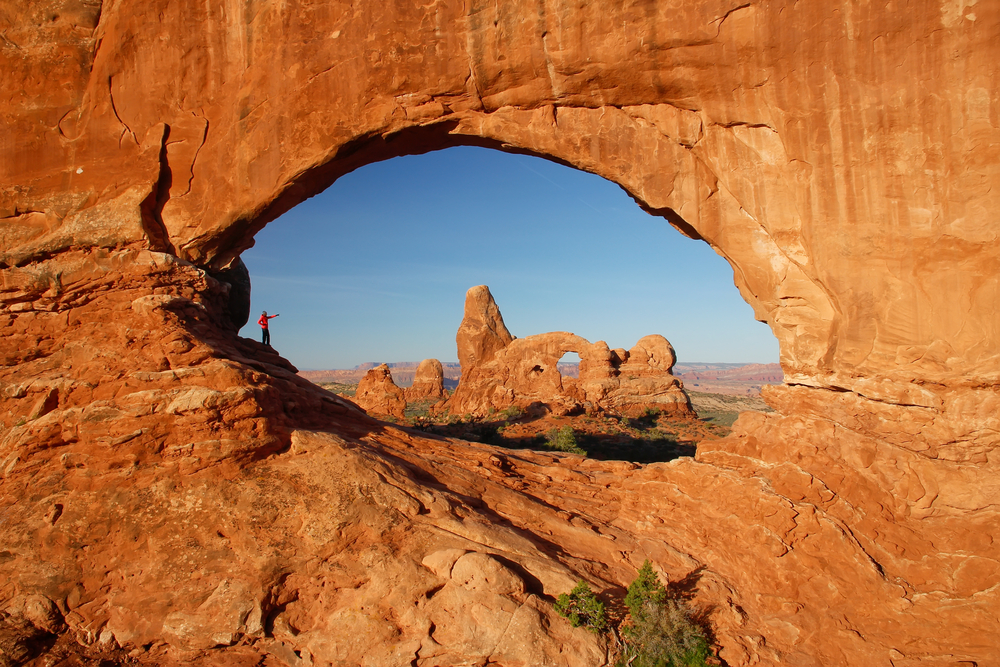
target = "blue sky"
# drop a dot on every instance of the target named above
(376, 267)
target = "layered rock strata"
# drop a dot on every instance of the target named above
(176, 493)
(499, 370)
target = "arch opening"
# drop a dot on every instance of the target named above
(398, 242)
(645, 150)
(393, 246)
(569, 365)
(878, 279)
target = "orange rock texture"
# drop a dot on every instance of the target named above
(499, 370)
(377, 394)
(428, 381)
(176, 495)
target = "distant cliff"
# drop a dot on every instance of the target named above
(402, 373)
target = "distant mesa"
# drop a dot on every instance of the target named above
(403, 373)
(499, 370)
(732, 379)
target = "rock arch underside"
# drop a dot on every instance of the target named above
(175, 492)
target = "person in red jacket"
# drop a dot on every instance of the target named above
(265, 335)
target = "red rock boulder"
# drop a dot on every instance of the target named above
(377, 394)
(428, 382)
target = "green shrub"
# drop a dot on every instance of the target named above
(564, 440)
(511, 412)
(340, 388)
(421, 408)
(644, 590)
(662, 632)
(666, 636)
(582, 607)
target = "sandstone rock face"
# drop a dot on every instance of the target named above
(633, 381)
(428, 382)
(171, 489)
(482, 332)
(377, 394)
(523, 371)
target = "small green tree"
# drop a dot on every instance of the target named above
(646, 589)
(564, 440)
(582, 607)
(662, 632)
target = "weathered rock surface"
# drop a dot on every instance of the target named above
(633, 381)
(482, 332)
(377, 394)
(499, 371)
(428, 382)
(171, 488)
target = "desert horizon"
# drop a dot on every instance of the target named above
(710, 377)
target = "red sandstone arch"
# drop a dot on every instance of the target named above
(844, 159)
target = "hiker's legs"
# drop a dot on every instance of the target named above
(265, 336)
